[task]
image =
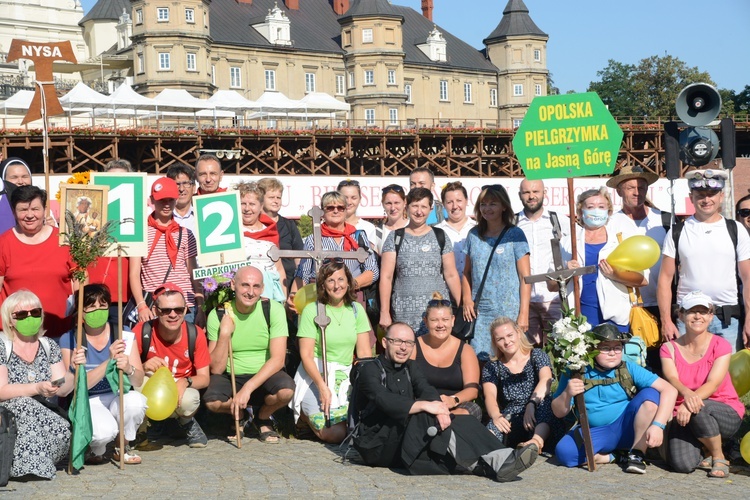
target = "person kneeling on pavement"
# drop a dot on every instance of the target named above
(404, 423)
(257, 330)
(180, 346)
(628, 406)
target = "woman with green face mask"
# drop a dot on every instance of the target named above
(31, 369)
(103, 354)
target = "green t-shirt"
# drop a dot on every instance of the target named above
(251, 338)
(341, 333)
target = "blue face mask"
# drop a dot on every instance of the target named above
(596, 217)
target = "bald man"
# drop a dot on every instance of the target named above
(258, 331)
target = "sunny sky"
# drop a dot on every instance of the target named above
(584, 34)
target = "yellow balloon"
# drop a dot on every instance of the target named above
(739, 370)
(745, 447)
(161, 394)
(636, 253)
(304, 296)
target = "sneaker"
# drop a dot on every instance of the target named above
(636, 462)
(517, 462)
(196, 438)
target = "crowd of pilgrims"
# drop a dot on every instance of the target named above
(431, 267)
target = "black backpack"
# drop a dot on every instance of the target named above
(8, 434)
(370, 293)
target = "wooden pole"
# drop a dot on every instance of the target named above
(119, 372)
(574, 244)
(79, 341)
(234, 394)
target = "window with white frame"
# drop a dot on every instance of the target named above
(235, 77)
(467, 92)
(393, 116)
(537, 55)
(367, 37)
(164, 61)
(309, 82)
(139, 16)
(340, 85)
(518, 89)
(493, 97)
(162, 14)
(538, 89)
(369, 77)
(443, 90)
(516, 122)
(191, 62)
(141, 63)
(270, 79)
(213, 74)
(391, 77)
(190, 16)
(351, 80)
(370, 116)
(407, 91)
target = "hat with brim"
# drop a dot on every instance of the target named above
(695, 298)
(607, 332)
(630, 172)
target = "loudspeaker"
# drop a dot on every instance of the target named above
(728, 148)
(698, 104)
(672, 150)
(698, 146)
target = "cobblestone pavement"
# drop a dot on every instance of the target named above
(308, 469)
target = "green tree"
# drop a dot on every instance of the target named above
(742, 100)
(728, 104)
(648, 88)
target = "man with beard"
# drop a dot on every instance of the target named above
(540, 226)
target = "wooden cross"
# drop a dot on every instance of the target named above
(318, 254)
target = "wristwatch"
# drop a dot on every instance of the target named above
(458, 401)
(190, 382)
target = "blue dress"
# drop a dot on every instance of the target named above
(501, 294)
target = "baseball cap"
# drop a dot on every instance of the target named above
(713, 179)
(695, 298)
(167, 287)
(164, 188)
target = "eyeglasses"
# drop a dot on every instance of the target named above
(166, 311)
(743, 212)
(392, 188)
(400, 342)
(347, 183)
(617, 349)
(334, 260)
(335, 208)
(34, 313)
(713, 184)
(439, 303)
(185, 184)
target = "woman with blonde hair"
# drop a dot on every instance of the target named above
(516, 384)
(32, 370)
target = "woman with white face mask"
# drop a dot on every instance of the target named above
(604, 296)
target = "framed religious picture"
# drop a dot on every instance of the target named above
(88, 205)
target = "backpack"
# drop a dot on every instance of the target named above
(622, 377)
(8, 435)
(556, 229)
(43, 342)
(146, 340)
(398, 239)
(634, 351)
(370, 292)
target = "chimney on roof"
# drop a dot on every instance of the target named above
(340, 7)
(427, 8)
(292, 4)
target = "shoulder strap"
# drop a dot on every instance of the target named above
(556, 229)
(192, 335)
(265, 304)
(354, 310)
(44, 342)
(8, 346)
(676, 232)
(622, 377)
(487, 268)
(398, 238)
(361, 244)
(440, 235)
(515, 218)
(439, 212)
(670, 348)
(666, 220)
(732, 230)
(457, 359)
(145, 340)
(382, 371)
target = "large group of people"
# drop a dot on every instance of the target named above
(450, 374)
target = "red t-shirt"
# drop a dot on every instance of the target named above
(176, 355)
(43, 269)
(104, 271)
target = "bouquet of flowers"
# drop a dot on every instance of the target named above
(218, 290)
(570, 343)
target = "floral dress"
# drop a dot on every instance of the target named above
(43, 436)
(501, 293)
(513, 393)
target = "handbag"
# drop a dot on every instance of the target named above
(130, 311)
(8, 435)
(468, 326)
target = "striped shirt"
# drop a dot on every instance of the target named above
(154, 269)
(306, 269)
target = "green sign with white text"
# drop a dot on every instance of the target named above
(126, 203)
(571, 135)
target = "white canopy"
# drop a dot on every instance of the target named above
(19, 103)
(125, 97)
(276, 101)
(319, 102)
(231, 100)
(180, 98)
(84, 97)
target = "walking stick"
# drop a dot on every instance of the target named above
(322, 320)
(119, 372)
(228, 308)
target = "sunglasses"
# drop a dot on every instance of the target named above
(439, 303)
(743, 212)
(348, 183)
(335, 208)
(392, 188)
(166, 311)
(712, 184)
(334, 260)
(34, 313)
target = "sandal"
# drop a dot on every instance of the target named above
(270, 437)
(131, 458)
(719, 469)
(706, 464)
(535, 440)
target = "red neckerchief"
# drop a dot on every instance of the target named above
(268, 233)
(218, 190)
(169, 242)
(350, 244)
